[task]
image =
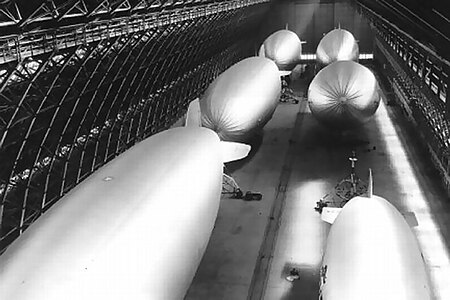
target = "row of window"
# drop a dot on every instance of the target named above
(431, 119)
(430, 74)
(312, 57)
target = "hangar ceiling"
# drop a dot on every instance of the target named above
(83, 80)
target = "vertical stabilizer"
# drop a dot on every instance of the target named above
(233, 151)
(193, 115)
(370, 185)
(262, 51)
(287, 26)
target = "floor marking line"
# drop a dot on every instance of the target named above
(262, 268)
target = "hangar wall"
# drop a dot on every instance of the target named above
(311, 19)
(418, 80)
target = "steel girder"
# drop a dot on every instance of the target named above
(66, 112)
(20, 14)
(42, 32)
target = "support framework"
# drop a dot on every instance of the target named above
(74, 97)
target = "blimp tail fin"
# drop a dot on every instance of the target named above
(410, 218)
(370, 185)
(262, 51)
(329, 214)
(193, 115)
(233, 151)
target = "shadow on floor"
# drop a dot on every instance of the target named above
(307, 285)
(319, 136)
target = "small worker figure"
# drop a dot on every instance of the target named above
(353, 159)
(293, 275)
(321, 204)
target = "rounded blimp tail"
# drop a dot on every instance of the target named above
(284, 48)
(193, 115)
(338, 44)
(135, 229)
(262, 51)
(343, 95)
(242, 99)
(371, 253)
(370, 184)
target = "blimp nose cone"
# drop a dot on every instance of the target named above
(342, 99)
(343, 95)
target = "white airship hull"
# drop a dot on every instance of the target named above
(338, 44)
(135, 229)
(284, 48)
(344, 95)
(242, 99)
(372, 254)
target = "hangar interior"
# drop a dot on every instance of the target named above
(82, 81)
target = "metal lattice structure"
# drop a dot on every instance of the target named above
(85, 80)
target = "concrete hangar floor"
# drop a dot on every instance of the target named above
(295, 162)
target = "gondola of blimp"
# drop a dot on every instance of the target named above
(371, 253)
(135, 229)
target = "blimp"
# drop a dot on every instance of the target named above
(284, 48)
(338, 44)
(371, 253)
(343, 95)
(135, 229)
(240, 101)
